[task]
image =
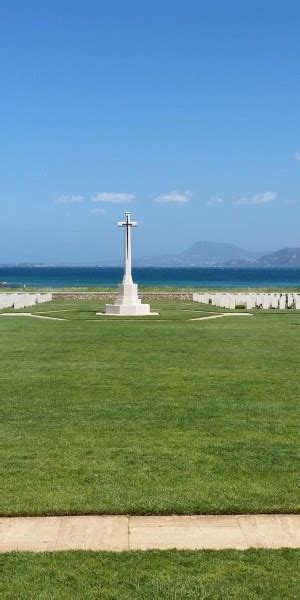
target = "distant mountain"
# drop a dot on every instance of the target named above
(200, 254)
(285, 258)
(213, 254)
(205, 254)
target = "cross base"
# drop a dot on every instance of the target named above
(127, 302)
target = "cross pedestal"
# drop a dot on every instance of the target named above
(127, 302)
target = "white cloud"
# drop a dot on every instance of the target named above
(297, 155)
(215, 200)
(69, 199)
(263, 198)
(97, 211)
(113, 197)
(174, 197)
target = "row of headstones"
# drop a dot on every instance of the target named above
(23, 300)
(264, 301)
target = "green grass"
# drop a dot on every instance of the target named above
(87, 309)
(160, 416)
(167, 575)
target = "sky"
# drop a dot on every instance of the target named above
(187, 114)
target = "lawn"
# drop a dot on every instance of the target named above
(167, 575)
(158, 415)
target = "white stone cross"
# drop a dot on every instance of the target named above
(127, 301)
(127, 224)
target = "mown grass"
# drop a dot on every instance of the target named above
(160, 416)
(167, 575)
(95, 310)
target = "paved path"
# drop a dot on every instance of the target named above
(42, 316)
(220, 315)
(32, 315)
(117, 533)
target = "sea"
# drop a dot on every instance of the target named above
(216, 277)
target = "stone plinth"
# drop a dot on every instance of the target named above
(127, 302)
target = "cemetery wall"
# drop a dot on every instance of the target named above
(112, 295)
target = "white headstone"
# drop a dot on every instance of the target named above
(231, 301)
(6, 300)
(282, 302)
(200, 298)
(258, 301)
(250, 302)
(218, 300)
(43, 297)
(290, 300)
(266, 302)
(226, 301)
(20, 301)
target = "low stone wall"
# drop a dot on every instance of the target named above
(112, 295)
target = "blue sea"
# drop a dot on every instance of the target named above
(60, 277)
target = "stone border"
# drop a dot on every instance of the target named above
(120, 532)
(32, 315)
(113, 295)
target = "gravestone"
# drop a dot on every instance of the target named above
(250, 302)
(282, 302)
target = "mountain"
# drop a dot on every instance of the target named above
(200, 254)
(285, 258)
(203, 254)
(212, 253)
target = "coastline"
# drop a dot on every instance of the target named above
(168, 280)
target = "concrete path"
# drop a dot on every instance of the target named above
(220, 315)
(33, 316)
(42, 316)
(117, 533)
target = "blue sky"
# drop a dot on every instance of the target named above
(186, 113)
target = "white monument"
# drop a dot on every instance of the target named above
(127, 301)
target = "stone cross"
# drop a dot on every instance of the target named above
(127, 224)
(127, 301)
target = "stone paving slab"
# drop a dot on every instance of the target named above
(272, 531)
(121, 532)
(29, 314)
(41, 534)
(185, 533)
(215, 532)
(221, 315)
